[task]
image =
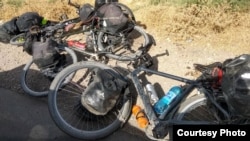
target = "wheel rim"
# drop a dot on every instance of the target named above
(196, 111)
(74, 119)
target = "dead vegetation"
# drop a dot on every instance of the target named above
(220, 25)
(191, 21)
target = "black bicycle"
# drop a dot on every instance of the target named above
(36, 81)
(101, 46)
(71, 115)
(57, 27)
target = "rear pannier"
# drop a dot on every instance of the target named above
(236, 84)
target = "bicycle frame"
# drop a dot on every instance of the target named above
(192, 84)
(99, 51)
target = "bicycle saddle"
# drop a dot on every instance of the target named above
(207, 68)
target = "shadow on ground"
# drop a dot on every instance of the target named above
(26, 118)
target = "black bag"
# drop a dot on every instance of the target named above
(11, 27)
(4, 36)
(19, 25)
(112, 18)
(8, 30)
(102, 93)
(86, 13)
(99, 3)
(27, 20)
(236, 84)
(45, 53)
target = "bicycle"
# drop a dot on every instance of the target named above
(20, 38)
(102, 45)
(30, 80)
(77, 121)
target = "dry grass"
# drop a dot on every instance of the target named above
(190, 21)
(219, 25)
(51, 9)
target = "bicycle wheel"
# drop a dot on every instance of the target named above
(197, 109)
(18, 40)
(68, 113)
(123, 47)
(35, 83)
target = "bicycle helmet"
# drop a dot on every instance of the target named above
(86, 13)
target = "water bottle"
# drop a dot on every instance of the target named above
(141, 118)
(152, 93)
(163, 103)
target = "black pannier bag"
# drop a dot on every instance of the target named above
(43, 49)
(11, 27)
(4, 36)
(102, 93)
(45, 54)
(112, 18)
(8, 30)
(19, 25)
(236, 85)
(99, 3)
(27, 20)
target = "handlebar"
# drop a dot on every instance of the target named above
(47, 30)
(51, 28)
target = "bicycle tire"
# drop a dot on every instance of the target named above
(201, 111)
(80, 129)
(18, 40)
(36, 93)
(135, 46)
(181, 115)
